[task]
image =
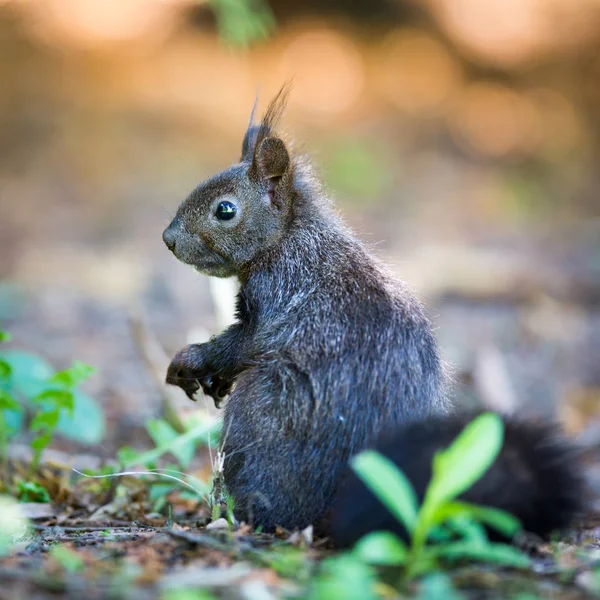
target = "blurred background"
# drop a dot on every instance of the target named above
(461, 139)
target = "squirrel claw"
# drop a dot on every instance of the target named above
(216, 388)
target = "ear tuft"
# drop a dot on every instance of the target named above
(255, 134)
(272, 158)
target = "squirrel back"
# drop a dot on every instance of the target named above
(329, 351)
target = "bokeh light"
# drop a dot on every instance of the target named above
(416, 72)
(495, 121)
(327, 69)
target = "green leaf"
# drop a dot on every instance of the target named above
(5, 369)
(40, 442)
(381, 548)
(31, 491)
(5, 336)
(127, 455)
(467, 459)
(160, 431)
(56, 398)
(12, 416)
(389, 484)
(469, 530)
(199, 433)
(45, 420)
(496, 518)
(86, 424)
(73, 376)
(159, 490)
(164, 435)
(7, 402)
(496, 553)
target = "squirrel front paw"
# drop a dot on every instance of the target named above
(191, 371)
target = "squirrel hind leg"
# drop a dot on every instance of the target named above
(537, 478)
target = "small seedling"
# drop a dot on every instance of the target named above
(181, 446)
(57, 397)
(31, 491)
(458, 527)
(167, 441)
(30, 387)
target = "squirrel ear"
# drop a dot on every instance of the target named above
(272, 158)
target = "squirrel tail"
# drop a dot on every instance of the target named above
(536, 477)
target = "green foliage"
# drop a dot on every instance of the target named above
(390, 485)
(164, 436)
(32, 377)
(457, 526)
(29, 386)
(31, 491)
(242, 22)
(381, 548)
(56, 398)
(182, 446)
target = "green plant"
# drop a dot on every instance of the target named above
(29, 387)
(456, 526)
(51, 402)
(181, 446)
(31, 491)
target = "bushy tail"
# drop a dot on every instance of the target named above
(536, 477)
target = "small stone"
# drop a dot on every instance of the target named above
(218, 524)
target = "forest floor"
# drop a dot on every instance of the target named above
(105, 542)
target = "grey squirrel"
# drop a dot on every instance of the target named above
(330, 355)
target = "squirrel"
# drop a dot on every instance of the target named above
(330, 355)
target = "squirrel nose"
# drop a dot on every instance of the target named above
(170, 237)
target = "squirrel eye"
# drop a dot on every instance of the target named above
(226, 211)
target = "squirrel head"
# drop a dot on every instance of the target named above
(231, 218)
